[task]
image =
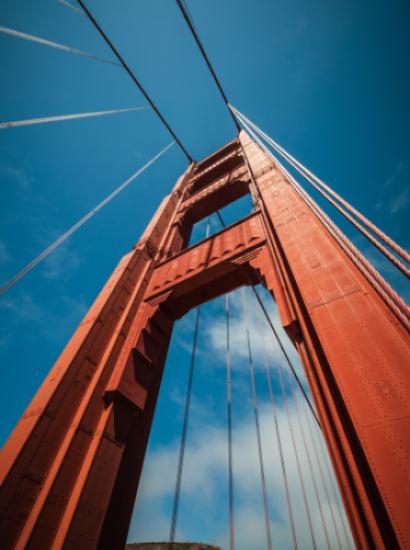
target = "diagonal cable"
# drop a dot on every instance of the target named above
(277, 338)
(81, 222)
(385, 291)
(73, 8)
(58, 118)
(56, 45)
(133, 77)
(342, 205)
(190, 23)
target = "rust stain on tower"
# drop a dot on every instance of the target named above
(70, 469)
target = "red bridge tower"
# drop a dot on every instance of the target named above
(70, 469)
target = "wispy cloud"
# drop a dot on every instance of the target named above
(4, 254)
(401, 201)
(61, 262)
(398, 187)
(16, 176)
(204, 487)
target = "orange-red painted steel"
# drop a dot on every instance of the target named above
(70, 470)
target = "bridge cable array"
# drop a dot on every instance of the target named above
(134, 78)
(178, 481)
(390, 297)
(318, 529)
(341, 205)
(256, 417)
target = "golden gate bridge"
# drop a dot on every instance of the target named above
(71, 468)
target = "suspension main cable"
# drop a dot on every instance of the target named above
(191, 25)
(390, 297)
(56, 45)
(46, 252)
(311, 177)
(134, 78)
(277, 430)
(256, 416)
(229, 411)
(58, 118)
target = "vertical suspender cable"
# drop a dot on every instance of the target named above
(309, 461)
(178, 481)
(322, 477)
(289, 362)
(177, 490)
(257, 426)
(278, 436)
(336, 493)
(295, 450)
(229, 404)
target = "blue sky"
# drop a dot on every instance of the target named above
(329, 80)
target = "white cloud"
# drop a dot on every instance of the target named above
(18, 177)
(401, 201)
(204, 484)
(61, 262)
(398, 186)
(203, 505)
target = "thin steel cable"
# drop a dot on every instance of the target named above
(58, 118)
(295, 451)
(78, 224)
(56, 45)
(74, 8)
(178, 481)
(277, 430)
(277, 338)
(322, 477)
(177, 490)
(190, 23)
(336, 493)
(311, 176)
(309, 462)
(257, 426)
(390, 297)
(133, 78)
(229, 411)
